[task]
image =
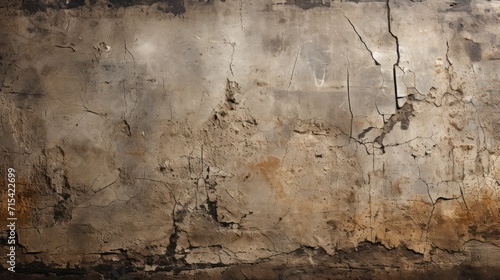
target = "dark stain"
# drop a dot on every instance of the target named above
(30, 6)
(364, 132)
(178, 217)
(212, 210)
(366, 261)
(41, 18)
(33, 6)
(124, 128)
(63, 210)
(358, 183)
(41, 31)
(352, 197)
(459, 6)
(38, 268)
(308, 4)
(496, 129)
(32, 84)
(175, 7)
(402, 116)
(274, 45)
(71, 4)
(473, 49)
(129, 3)
(199, 2)
(332, 224)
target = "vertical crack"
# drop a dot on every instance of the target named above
(233, 44)
(127, 51)
(447, 54)
(449, 68)
(172, 245)
(167, 95)
(465, 203)
(397, 52)
(433, 203)
(392, 34)
(124, 97)
(241, 14)
(349, 102)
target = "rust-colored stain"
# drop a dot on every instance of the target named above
(450, 223)
(24, 203)
(136, 153)
(269, 170)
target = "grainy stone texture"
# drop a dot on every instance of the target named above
(252, 139)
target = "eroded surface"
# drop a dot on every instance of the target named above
(179, 136)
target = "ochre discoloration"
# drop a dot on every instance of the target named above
(269, 170)
(25, 201)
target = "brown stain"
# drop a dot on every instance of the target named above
(398, 185)
(447, 225)
(269, 170)
(465, 147)
(450, 223)
(351, 198)
(332, 224)
(24, 204)
(136, 153)
(483, 216)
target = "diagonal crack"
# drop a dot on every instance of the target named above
(362, 41)
(293, 69)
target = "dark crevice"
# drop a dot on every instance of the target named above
(33, 6)
(389, 20)
(402, 116)
(172, 242)
(64, 208)
(362, 41)
(349, 102)
(178, 217)
(212, 209)
(126, 128)
(364, 132)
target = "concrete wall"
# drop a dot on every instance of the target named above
(252, 139)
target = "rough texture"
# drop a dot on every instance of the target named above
(252, 139)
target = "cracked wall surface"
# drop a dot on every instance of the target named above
(252, 139)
